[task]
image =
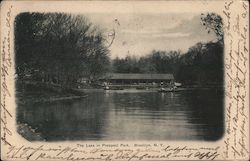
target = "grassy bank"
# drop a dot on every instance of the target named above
(33, 92)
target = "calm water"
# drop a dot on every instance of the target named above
(129, 115)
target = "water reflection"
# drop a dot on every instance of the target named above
(129, 115)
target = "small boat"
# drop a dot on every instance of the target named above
(174, 89)
(176, 84)
(166, 90)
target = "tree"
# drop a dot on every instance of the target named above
(59, 48)
(213, 22)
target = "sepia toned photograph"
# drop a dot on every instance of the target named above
(127, 76)
(124, 80)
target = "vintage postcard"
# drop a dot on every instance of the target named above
(124, 80)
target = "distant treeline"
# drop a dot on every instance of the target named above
(202, 64)
(59, 48)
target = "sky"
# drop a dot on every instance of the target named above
(140, 33)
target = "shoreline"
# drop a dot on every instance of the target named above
(51, 99)
(59, 99)
(35, 92)
(28, 133)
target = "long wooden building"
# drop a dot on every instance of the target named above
(132, 78)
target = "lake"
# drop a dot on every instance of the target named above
(129, 115)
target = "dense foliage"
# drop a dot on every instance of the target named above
(202, 64)
(59, 48)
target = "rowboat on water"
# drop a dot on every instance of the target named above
(174, 88)
(171, 89)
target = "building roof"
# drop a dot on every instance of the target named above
(127, 76)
